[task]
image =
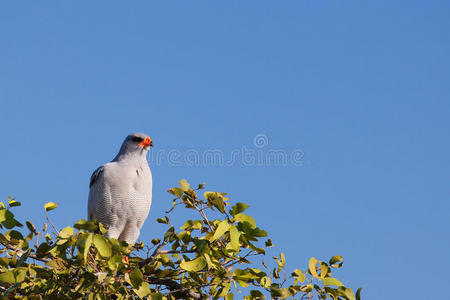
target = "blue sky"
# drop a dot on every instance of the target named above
(361, 88)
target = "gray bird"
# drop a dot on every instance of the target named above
(120, 192)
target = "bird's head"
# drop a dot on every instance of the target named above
(136, 144)
(139, 140)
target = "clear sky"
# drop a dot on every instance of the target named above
(359, 90)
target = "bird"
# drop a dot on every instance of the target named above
(120, 192)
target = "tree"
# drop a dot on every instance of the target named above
(204, 259)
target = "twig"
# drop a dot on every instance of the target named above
(48, 219)
(37, 243)
(174, 286)
(173, 207)
(233, 262)
(285, 277)
(192, 287)
(153, 256)
(200, 210)
(177, 251)
(33, 256)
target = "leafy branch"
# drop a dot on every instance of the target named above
(207, 258)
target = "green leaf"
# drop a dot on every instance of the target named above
(143, 290)
(136, 278)
(23, 258)
(238, 208)
(161, 220)
(184, 185)
(234, 238)
(102, 245)
(298, 275)
(66, 232)
(102, 228)
(13, 203)
(265, 282)
(346, 292)
(170, 234)
(210, 195)
(336, 261)
(282, 260)
(50, 206)
(358, 294)
(331, 281)
(176, 191)
(330, 291)
(87, 245)
(254, 294)
(244, 277)
(349, 294)
(194, 265)
(215, 199)
(229, 296)
(156, 296)
(323, 270)
(14, 234)
(208, 261)
(7, 277)
(2, 214)
(101, 276)
(42, 250)
(191, 225)
(201, 245)
(31, 227)
(312, 267)
(250, 233)
(223, 291)
(221, 229)
(86, 225)
(114, 262)
(9, 222)
(13, 276)
(307, 288)
(245, 218)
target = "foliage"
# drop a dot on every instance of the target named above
(204, 259)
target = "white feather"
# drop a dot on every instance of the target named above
(121, 195)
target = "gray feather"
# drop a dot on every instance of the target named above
(119, 196)
(95, 175)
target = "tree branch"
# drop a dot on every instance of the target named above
(174, 286)
(205, 218)
(48, 219)
(153, 256)
(30, 255)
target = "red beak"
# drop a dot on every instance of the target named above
(147, 142)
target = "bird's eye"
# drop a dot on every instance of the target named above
(137, 139)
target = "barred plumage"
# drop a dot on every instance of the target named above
(120, 192)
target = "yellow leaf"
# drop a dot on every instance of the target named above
(103, 246)
(184, 185)
(332, 281)
(194, 265)
(245, 218)
(234, 238)
(50, 206)
(312, 267)
(221, 229)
